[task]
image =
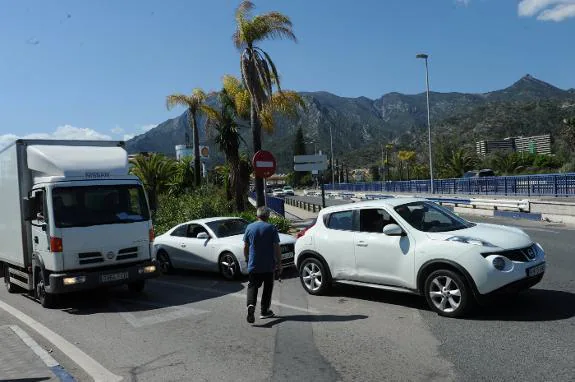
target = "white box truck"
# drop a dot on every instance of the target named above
(72, 218)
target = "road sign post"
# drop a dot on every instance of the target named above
(264, 165)
(313, 163)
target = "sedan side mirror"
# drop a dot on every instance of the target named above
(203, 235)
(392, 230)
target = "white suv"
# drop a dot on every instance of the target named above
(416, 246)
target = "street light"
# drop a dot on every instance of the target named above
(425, 57)
(332, 164)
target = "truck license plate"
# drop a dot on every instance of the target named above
(536, 270)
(114, 277)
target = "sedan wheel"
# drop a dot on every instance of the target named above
(314, 277)
(229, 267)
(447, 293)
(164, 263)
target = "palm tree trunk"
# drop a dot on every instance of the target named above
(257, 143)
(197, 166)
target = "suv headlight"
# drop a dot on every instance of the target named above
(470, 240)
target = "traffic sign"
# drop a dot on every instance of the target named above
(310, 162)
(264, 164)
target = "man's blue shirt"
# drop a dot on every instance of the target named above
(261, 237)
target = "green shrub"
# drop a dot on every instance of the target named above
(208, 201)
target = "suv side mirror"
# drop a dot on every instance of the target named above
(392, 230)
(202, 235)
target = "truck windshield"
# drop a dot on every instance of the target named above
(98, 205)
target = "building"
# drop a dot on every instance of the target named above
(539, 144)
(487, 147)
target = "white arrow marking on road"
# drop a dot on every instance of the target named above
(236, 294)
(180, 312)
(90, 366)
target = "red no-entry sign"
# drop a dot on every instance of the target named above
(264, 164)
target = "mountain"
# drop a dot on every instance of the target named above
(360, 125)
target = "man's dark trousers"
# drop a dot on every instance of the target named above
(255, 281)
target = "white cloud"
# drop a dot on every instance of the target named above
(127, 137)
(61, 132)
(559, 13)
(117, 130)
(547, 10)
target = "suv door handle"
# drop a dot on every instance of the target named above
(362, 244)
(183, 245)
(36, 239)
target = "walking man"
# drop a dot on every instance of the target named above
(263, 254)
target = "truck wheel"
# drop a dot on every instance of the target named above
(137, 286)
(47, 300)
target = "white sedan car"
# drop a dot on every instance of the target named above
(416, 246)
(213, 244)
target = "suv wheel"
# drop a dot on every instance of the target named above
(447, 293)
(314, 276)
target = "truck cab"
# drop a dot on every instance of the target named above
(85, 221)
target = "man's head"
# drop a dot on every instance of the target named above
(263, 213)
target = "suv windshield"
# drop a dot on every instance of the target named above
(430, 217)
(98, 205)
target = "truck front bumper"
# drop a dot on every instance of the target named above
(101, 277)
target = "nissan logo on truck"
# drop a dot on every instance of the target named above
(96, 175)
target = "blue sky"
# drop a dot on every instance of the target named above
(102, 69)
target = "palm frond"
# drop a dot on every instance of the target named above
(243, 10)
(178, 100)
(199, 95)
(273, 67)
(232, 85)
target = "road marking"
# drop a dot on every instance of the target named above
(177, 313)
(43, 354)
(87, 363)
(235, 294)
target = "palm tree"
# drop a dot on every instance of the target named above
(155, 171)
(193, 103)
(405, 157)
(259, 73)
(459, 162)
(224, 122)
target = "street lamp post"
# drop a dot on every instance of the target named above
(425, 57)
(332, 163)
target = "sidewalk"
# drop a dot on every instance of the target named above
(22, 359)
(297, 215)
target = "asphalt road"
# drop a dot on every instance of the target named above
(191, 326)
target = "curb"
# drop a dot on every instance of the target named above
(48, 360)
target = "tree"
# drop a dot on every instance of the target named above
(259, 73)
(374, 170)
(568, 132)
(459, 162)
(224, 123)
(405, 159)
(155, 171)
(298, 149)
(193, 103)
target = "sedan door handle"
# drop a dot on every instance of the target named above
(362, 244)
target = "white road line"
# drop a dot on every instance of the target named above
(174, 313)
(236, 294)
(43, 354)
(87, 363)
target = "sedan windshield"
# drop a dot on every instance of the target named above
(228, 227)
(431, 217)
(99, 205)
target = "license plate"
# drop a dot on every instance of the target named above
(114, 277)
(287, 255)
(536, 270)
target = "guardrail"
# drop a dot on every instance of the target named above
(276, 204)
(524, 185)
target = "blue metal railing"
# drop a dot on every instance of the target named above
(524, 185)
(276, 204)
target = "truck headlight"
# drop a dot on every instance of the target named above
(74, 280)
(150, 269)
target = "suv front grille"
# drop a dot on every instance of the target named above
(522, 255)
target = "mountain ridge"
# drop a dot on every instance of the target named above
(394, 117)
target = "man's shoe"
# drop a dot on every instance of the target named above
(268, 314)
(251, 309)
